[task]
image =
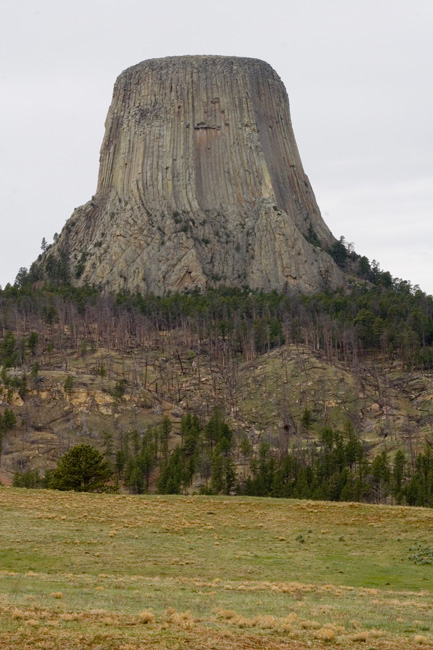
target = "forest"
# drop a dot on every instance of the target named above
(374, 314)
(376, 317)
(209, 460)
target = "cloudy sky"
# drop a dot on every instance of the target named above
(358, 74)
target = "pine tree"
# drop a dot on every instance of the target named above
(82, 469)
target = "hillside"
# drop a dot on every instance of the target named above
(84, 368)
(265, 399)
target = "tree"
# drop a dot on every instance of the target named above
(217, 473)
(164, 434)
(419, 491)
(83, 469)
(22, 277)
(29, 479)
(7, 421)
(246, 451)
(306, 419)
(120, 388)
(9, 354)
(32, 342)
(312, 237)
(339, 252)
(34, 374)
(381, 475)
(69, 384)
(170, 479)
(398, 475)
(364, 268)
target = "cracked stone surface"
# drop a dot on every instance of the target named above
(200, 184)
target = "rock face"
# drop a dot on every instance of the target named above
(200, 184)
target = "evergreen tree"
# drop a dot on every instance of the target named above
(83, 469)
(306, 419)
(381, 475)
(217, 473)
(398, 476)
(9, 354)
(164, 434)
(170, 479)
(28, 479)
(419, 491)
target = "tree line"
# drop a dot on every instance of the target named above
(209, 460)
(389, 318)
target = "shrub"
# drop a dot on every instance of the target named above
(27, 479)
(147, 617)
(120, 388)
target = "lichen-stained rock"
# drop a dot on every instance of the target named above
(200, 184)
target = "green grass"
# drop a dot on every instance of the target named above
(250, 572)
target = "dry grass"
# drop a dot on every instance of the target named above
(146, 617)
(160, 581)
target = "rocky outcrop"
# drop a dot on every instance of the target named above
(200, 184)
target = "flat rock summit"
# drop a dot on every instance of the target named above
(200, 184)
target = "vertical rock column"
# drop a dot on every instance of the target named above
(200, 184)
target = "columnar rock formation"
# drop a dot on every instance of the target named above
(200, 184)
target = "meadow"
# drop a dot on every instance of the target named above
(123, 572)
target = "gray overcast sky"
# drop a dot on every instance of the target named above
(358, 73)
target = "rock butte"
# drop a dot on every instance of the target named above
(200, 184)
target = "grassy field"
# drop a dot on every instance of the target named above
(132, 572)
